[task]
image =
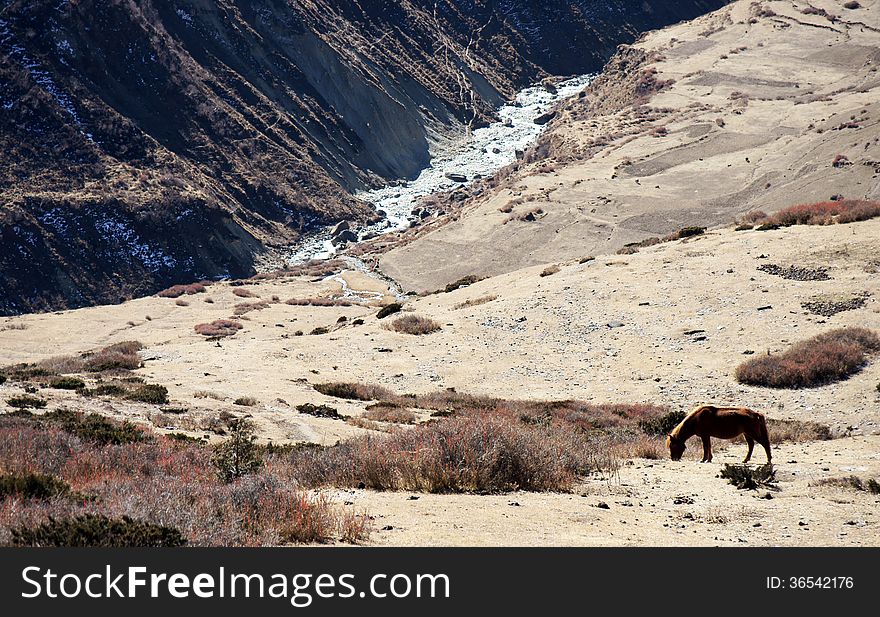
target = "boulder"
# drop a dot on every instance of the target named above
(344, 236)
(456, 177)
(339, 228)
(545, 118)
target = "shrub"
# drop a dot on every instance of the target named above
(549, 271)
(662, 425)
(319, 411)
(319, 331)
(474, 302)
(218, 328)
(797, 431)
(818, 361)
(246, 401)
(853, 482)
(24, 401)
(393, 415)
(474, 454)
(149, 393)
(823, 213)
(32, 486)
(91, 530)
(685, 232)
(413, 324)
(176, 291)
(247, 307)
(464, 281)
(390, 309)
(241, 292)
(95, 428)
(239, 455)
(745, 478)
(353, 391)
(67, 383)
(122, 356)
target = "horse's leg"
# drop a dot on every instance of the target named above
(765, 441)
(707, 449)
(751, 443)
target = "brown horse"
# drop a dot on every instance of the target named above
(722, 422)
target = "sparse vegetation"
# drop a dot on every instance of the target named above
(319, 411)
(94, 428)
(246, 401)
(550, 271)
(474, 302)
(392, 415)
(662, 425)
(148, 393)
(179, 290)
(219, 328)
(67, 383)
(818, 361)
(464, 281)
(851, 482)
(413, 324)
(744, 477)
(241, 292)
(25, 401)
(822, 213)
(389, 310)
(353, 391)
(685, 232)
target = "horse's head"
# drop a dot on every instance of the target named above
(676, 446)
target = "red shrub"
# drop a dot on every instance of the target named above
(218, 328)
(178, 290)
(818, 361)
(241, 292)
(824, 213)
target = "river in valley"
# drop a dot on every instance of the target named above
(477, 155)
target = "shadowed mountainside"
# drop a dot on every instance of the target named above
(146, 142)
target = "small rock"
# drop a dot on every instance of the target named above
(603, 505)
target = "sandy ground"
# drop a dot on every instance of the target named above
(761, 105)
(612, 329)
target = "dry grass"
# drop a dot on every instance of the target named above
(165, 482)
(851, 482)
(218, 328)
(413, 324)
(246, 307)
(818, 361)
(318, 302)
(474, 302)
(354, 391)
(797, 431)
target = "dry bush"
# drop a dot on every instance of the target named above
(797, 431)
(354, 391)
(752, 217)
(318, 302)
(550, 271)
(851, 482)
(818, 361)
(165, 482)
(218, 328)
(118, 356)
(181, 303)
(473, 454)
(179, 290)
(241, 292)
(246, 307)
(393, 415)
(413, 324)
(474, 302)
(684, 232)
(823, 213)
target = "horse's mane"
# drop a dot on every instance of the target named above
(677, 430)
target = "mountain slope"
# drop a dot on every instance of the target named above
(150, 142)
(745, 108)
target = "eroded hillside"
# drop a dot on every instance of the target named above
(147, 142)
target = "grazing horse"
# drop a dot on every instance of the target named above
(722, 422)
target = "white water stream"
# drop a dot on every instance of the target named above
(480, 154)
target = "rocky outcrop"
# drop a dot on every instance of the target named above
(145, 143)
